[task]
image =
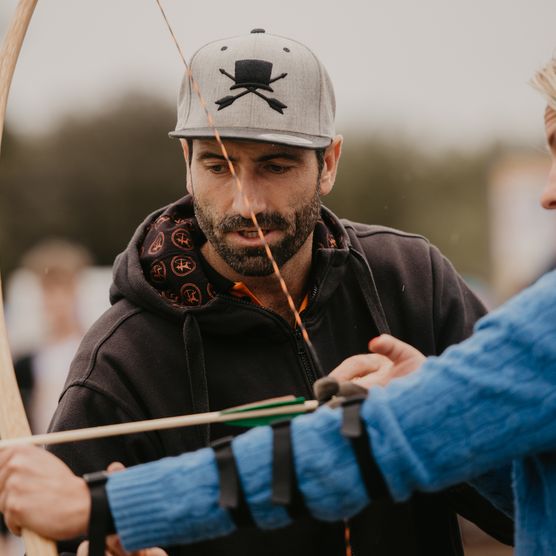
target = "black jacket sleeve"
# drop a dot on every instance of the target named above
(455, 307)
(82, 406)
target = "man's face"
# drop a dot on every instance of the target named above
(281, 185)
(548, 197)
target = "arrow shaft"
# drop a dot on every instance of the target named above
(105, 431)
(243, 93)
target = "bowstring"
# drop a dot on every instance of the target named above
(252, 215)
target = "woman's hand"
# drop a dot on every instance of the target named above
(390, 358)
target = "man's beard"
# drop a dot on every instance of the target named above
(253, 261)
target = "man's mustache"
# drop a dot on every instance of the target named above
(267, 221)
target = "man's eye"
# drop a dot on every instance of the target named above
(217, 168)
(277, 168)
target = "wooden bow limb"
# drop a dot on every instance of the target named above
(13, 421)
(10, 52)
(252, 414)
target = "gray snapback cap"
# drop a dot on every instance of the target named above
(258, 87)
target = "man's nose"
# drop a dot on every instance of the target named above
(548, 197)
(251, 197)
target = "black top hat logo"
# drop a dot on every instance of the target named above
(252, 75)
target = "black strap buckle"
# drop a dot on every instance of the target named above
(101, 522)
(231, 493)
(285, 490)
(353, 427)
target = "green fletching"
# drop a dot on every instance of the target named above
(264, 405)
(262, 421)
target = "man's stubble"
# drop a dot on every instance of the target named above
(253, 261)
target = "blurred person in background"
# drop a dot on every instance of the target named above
(57, 264)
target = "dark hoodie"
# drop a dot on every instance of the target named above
(178, 341)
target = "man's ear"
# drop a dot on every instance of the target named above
(331, 159)
(186, 156)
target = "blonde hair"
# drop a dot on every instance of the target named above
(544, 81)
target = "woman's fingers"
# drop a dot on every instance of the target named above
(115, 466)
(360, 365)
(394, 349)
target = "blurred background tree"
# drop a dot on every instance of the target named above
(95, 179)
(92, 180)
(441, 195)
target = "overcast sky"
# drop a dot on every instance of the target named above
(441, 70)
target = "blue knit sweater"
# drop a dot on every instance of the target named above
(488, 402)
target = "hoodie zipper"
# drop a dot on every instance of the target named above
(308, 368)
(302, 354)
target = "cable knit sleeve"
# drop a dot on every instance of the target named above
(477, 407)
(480, 405)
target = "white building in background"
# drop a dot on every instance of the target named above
(522, 234)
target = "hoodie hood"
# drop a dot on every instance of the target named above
(162, 269)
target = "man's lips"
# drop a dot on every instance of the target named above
(251, 236)
(251, 233)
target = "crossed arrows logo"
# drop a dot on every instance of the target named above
(252, 75)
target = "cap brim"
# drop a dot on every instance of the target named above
(265, 136)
